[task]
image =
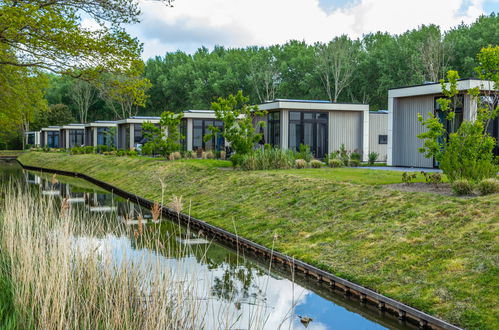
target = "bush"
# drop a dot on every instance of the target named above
(235, 159)
(335, 162)
(488, 186)
(354, 162)
(300, 163)
(462, 187)
(102, 148)
(76, 151)
(407, 178)
(120, 153)
(176, 155)
(304, 153)
(372, 157)
(132, 153)
(267, 159)
(434, 178)
(223, 155)
(355, 156)
(315, 163)
(88, 150)
(343, 155)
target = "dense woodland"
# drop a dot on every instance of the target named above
(342, 70)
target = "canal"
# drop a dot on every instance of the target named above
(228, 280)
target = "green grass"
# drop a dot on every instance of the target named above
(436, 253)
(11, 152)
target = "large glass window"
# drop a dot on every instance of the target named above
(53, 139)
(309, 128)
(183, 132)
(104, 136)
(274, 129)
(76, 137)
(31, 138)
(491, 102)
(451, 126)
(200, 128)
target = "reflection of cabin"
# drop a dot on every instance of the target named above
(195, 125)
(130, 131)
(98, 202)
(322, 125)
(32, 178)
(32, 139)
(71, 196)
(405, 103)
(101, 133)
(51, 189)
(72, 135)
(129, 213)
(378, 133)
(49, 137)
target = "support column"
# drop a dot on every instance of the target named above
(389, 147)
(132, 132)
(330, 132)
(189, 134)
(365, 136)
(284, 129)
(66, 137)
(94, 133)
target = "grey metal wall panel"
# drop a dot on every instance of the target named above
(406, 127)
(378, 125)
(345, 127)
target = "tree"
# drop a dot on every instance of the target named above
(84, 96)
(165, 139)
(264, 74)
(336, 62)
(238, 118)
(48, 34)
(434, 54)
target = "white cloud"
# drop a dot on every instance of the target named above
(237, 23)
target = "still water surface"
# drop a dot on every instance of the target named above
(226, 279)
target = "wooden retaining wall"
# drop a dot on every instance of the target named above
(383, 303)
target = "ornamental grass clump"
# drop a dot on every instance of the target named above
(462, 187)
(488, 186)
(335, 162)
(267, 159)
(300, 163)
(314, 163)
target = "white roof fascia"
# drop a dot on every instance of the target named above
(51, 129)
(312, 106)
(137, 121)
(462, 85)
(94, 124)
(73, 127)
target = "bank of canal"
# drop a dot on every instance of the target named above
(242, 281)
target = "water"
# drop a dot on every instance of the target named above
(226, 279)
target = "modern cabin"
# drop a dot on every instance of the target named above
(72, 135)
(101, 133)
(322, 125)
(32, 139)
(404, 105)
(130, 131)
(195, 125)
(378, 133)
(49, 137)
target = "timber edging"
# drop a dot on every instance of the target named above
(404, 312)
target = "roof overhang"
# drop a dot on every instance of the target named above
(101, 124)
(154, 120)
(67, 127)
(436, 88)
(51, 129)
(313, 106)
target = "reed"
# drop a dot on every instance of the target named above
(60, 275)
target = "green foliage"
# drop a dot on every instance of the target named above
(408, 178)
(304, 153)
(300, 163)
(315, 163)
(462, 187)
(372, 157)
(434, 178)
(165, 139)
(335, 162)
(488, 186)
(468, 154)
(343, 155)
(237, 118)
(354, 162)
(267, 159)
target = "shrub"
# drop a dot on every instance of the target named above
(462, 187)
(343, 154)
(132, 153)
(300, 163)
(236, 160)
(76, 150)
(304, 153)
(354, 162)
(176, 155)
(488, 186)
(407, 178)
(88, 150)
(434, 178)
(315, 163)
(335, 162)
(223, 155)
(355, 156)
(209, 155)
(120, 153)
(372, 157)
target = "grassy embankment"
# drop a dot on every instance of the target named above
(436, 253)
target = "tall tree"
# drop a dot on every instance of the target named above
(336, 62)
(264, 74)
(83, 95)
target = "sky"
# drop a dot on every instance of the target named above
(191, 24)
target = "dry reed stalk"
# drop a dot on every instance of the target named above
(54, 180)
(176, 204)
(155, 211)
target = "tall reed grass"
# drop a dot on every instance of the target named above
(57, 279)
(268, 159)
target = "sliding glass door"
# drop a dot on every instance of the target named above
(309, 128)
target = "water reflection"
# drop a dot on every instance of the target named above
(231, 284)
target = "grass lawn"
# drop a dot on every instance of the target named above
(436, 253)
(10, 152)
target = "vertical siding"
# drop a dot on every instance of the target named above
(345, 127)
(378, 125)
(406, 127)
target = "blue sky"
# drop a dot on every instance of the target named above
(191, 24)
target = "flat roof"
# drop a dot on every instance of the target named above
(73, 126)
(379, 112)
(50, 128)
(312, 105)
(436, 88)
(139, 120)
(101, 123)
(199, 114)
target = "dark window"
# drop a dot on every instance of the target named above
(200, 128)
(274, 129)
(76, 137)
(137, 133)
(183, 133)
(491, 102)
(309, 128)
(31, 138)
(451, 126)
(382, 139)
(53, 139)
